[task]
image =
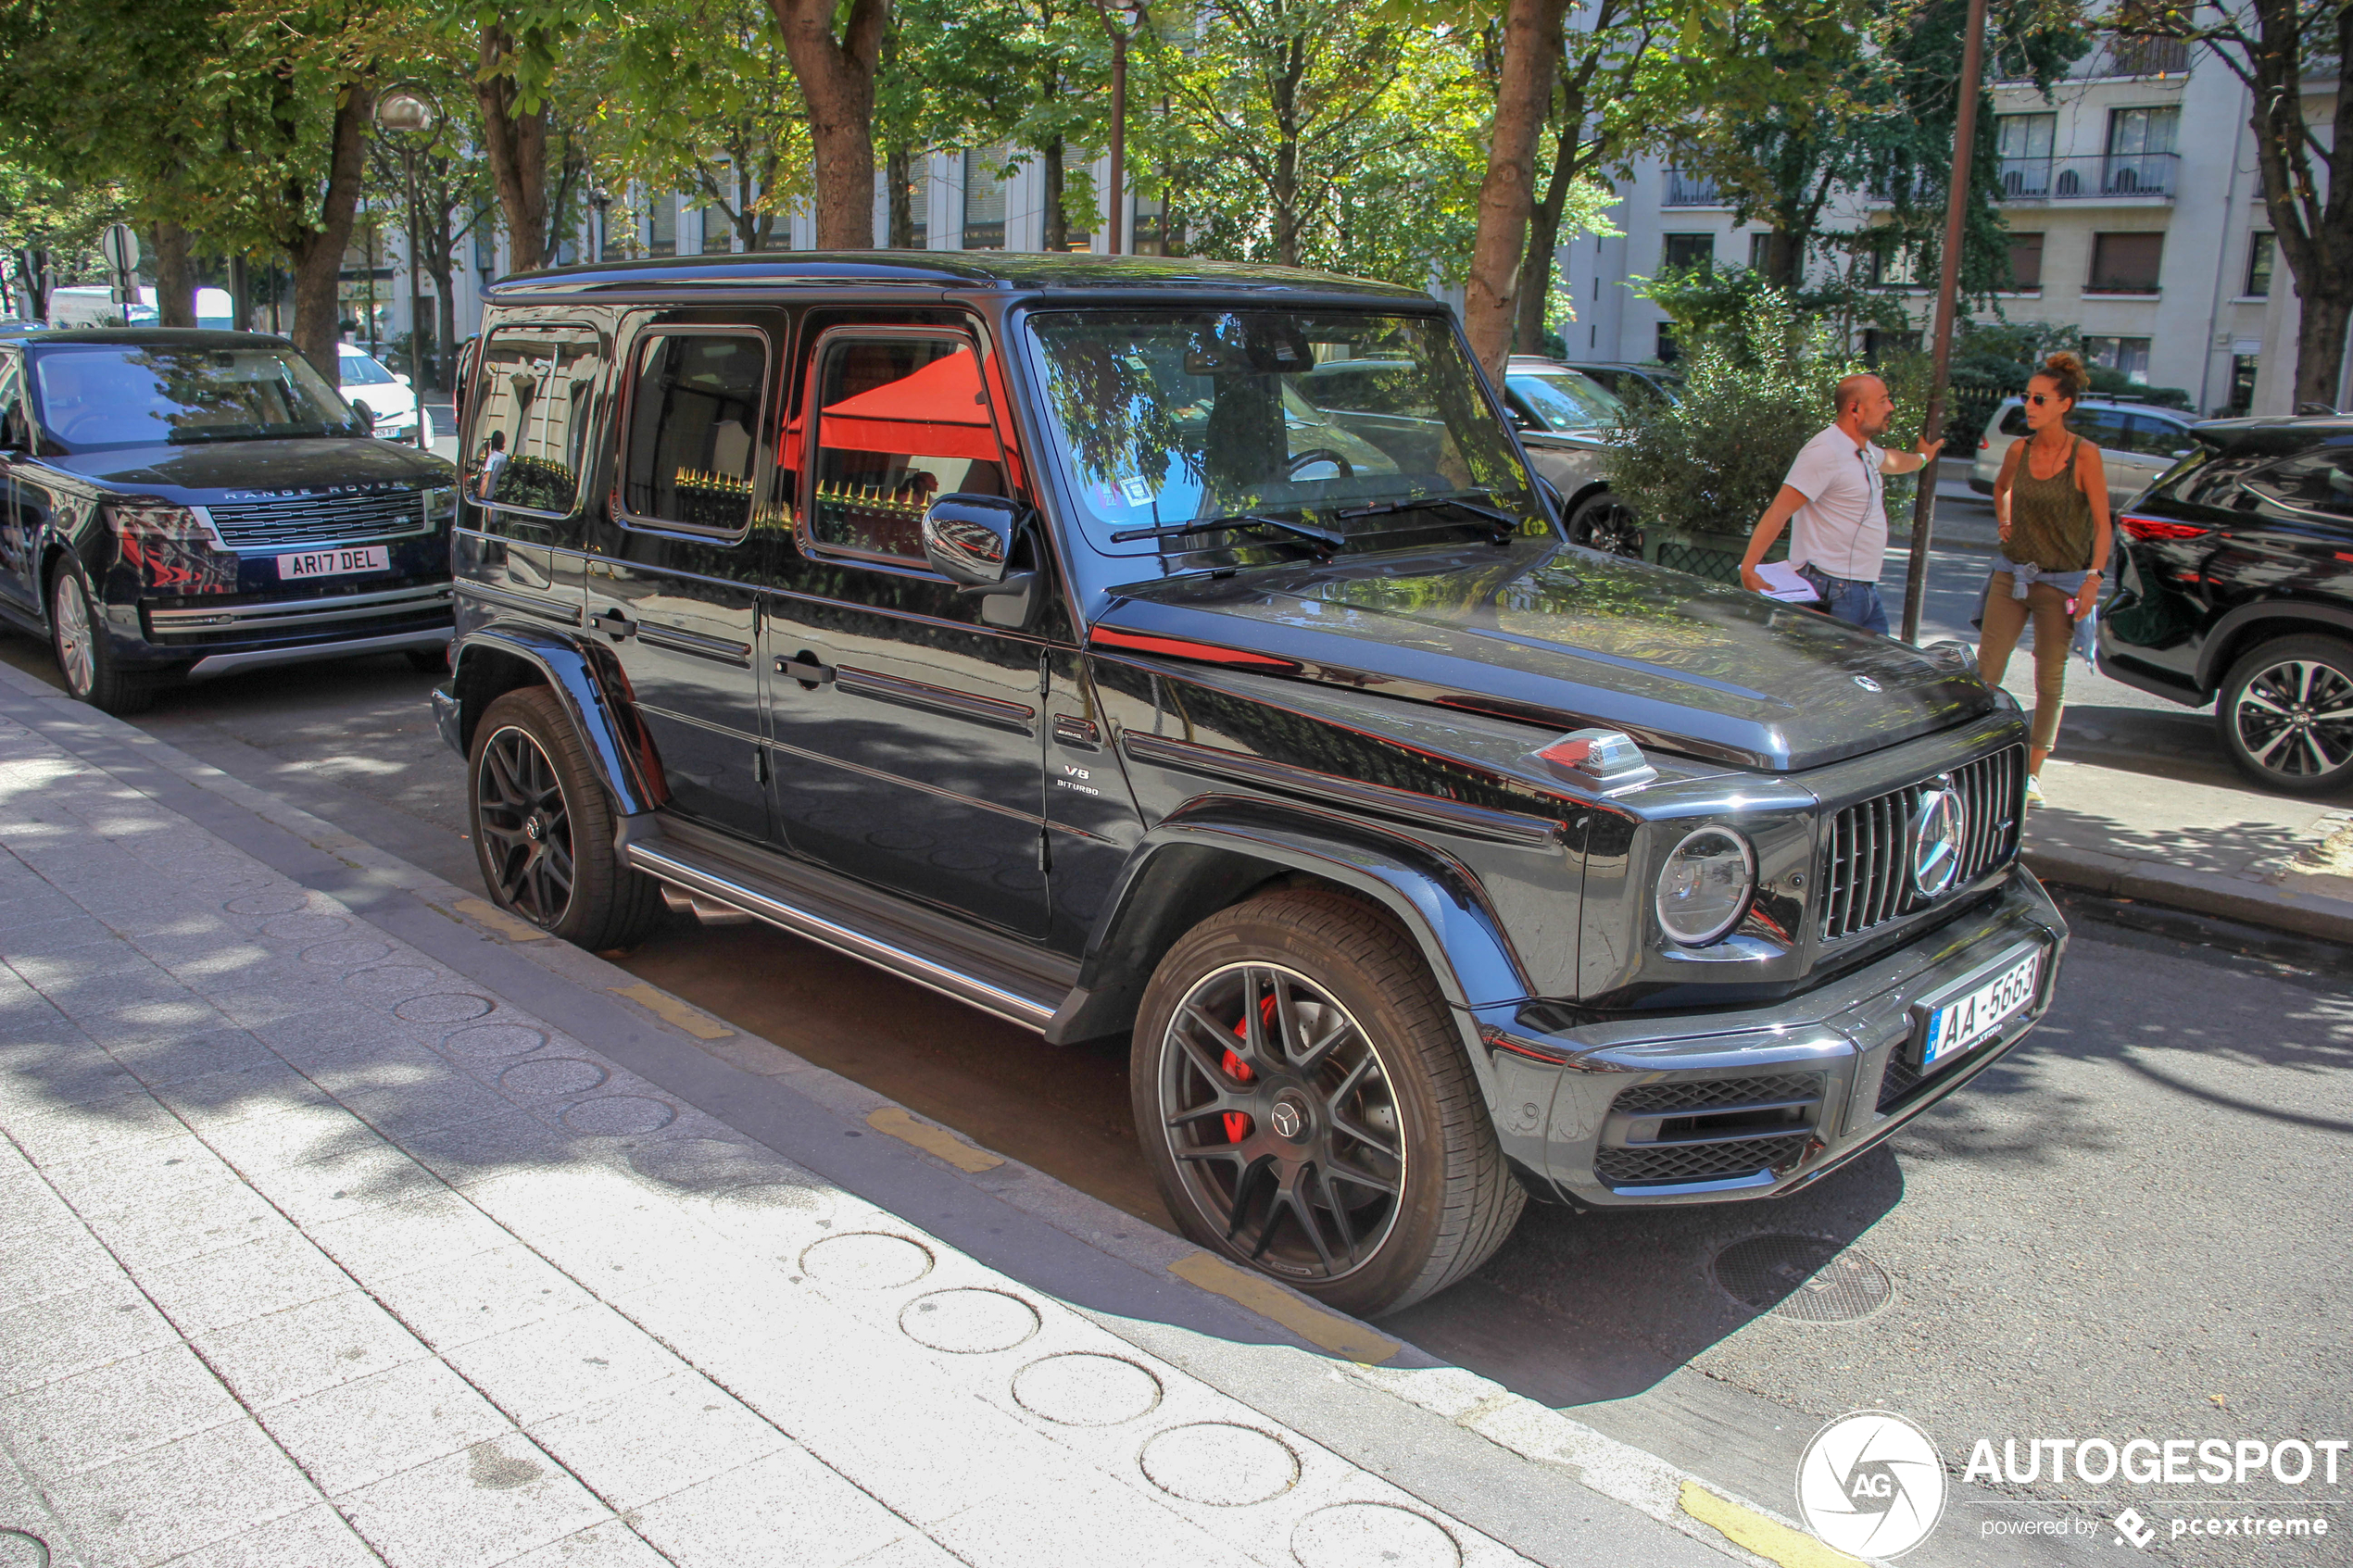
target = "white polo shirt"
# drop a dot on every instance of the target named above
(1842, 529)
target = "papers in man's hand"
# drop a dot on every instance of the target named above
(1783, 583)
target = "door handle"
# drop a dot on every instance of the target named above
(616, 625)
(806, 670)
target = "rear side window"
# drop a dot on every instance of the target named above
(2312, 482)
(530, 439)
(694, 417)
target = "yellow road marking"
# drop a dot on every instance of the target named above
(1339, 1335)
(938, 1141)
(1745, 1526)
(499, 921)
(669, 1010)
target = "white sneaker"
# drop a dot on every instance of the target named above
(2033, 790)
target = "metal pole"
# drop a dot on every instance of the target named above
(1118, 139)
(1948, 286)
(417, 370)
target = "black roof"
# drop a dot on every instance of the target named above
(955, 269)
(167, 337)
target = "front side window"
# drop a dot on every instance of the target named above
(901, 419)
(694, 412)
(2153, 435)
(529, 443)
(98, 396)
(1168, 417)
(360, 369)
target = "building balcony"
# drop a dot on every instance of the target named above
(2135, 177)
(2126, 60)
(1691, 190)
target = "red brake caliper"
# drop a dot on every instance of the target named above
(1237, 1122)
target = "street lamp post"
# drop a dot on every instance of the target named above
(1122, 20)
(1947, 288)
(406, 111)
(600, 198)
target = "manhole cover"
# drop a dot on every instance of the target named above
(1803, 1278)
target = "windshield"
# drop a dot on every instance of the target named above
(1567, 399)
(359, 370)
(1168, 417)
(118, 394)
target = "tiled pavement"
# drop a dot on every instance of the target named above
(317, 1253)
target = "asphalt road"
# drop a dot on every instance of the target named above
(2131, 1228)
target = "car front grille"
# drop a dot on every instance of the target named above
(301, 522)
(1641, 1165)
(1867, 872)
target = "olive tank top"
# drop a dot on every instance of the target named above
(2050, 519)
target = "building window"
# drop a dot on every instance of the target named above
(2242, 385)
(2023, 144)
(1897, 267)
(2126, 263)
(2130, 354)
(2262, 247)
(918, 207)
(983, 199)
(661, 225)
(1691, 190)
(1760, 251)
(2026, 261)
(1149, 236)
(1687, 253)
(2140, 150)
(718, 230)
(2146, 57)
(1877, 343)
(1664, 349)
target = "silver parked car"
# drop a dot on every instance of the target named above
(2137, 442)
(1566, 420)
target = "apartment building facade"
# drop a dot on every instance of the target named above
(2135, 212)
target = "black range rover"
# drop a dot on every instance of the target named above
(1042, 631)
(188, 504)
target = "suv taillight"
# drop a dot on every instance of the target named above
(2157, 530)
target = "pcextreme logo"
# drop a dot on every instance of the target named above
(1870, 1484)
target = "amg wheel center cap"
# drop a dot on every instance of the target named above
(534, 829)
(1289, 1118)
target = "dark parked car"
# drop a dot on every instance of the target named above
(2236, 588)
(1630, 381)
(1061, 634)
(1565, 420)
(187, 504)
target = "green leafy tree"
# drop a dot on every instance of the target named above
(49, 230)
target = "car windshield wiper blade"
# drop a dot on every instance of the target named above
(1324, 538)
(1504, 523)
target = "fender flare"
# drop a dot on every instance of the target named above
(1432, 896)
(2211, 670)
(596, 696)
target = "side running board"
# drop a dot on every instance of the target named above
(848, 918)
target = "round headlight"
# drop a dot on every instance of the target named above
(1704, 887)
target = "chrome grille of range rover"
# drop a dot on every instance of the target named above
(1867, 869)
(294, 522)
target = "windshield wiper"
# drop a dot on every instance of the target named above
(1325, 539)
(1506, 527)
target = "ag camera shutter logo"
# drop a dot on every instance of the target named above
(1870, 1484)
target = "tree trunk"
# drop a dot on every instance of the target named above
(1531, 53)
(175, 277)
(1544, 234)
(318, 253)
(898, 171)
(1057, 236)
(2319, 346)
(516, 142)
(836, 76)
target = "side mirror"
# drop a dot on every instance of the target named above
(16, 434)
(969, 540)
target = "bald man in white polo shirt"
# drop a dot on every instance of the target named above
(1835, 490)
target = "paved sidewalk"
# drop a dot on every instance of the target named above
(324, 1248)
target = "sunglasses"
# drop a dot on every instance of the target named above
(2039, 399)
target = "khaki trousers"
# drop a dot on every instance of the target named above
(2006, 618)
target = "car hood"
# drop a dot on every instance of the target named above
(254, 471)
(1565, 638)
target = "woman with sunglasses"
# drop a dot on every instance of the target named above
(2051, 506)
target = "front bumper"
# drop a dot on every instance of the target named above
(1759, 1101)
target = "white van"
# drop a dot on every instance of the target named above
(93, 306)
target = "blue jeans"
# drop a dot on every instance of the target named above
(1846, 599)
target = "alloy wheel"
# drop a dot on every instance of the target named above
(69, 618)
(2295, 719)
(526, 827)
(1610, 530)
(1279, 1111)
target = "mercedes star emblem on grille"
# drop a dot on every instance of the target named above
(1938, 828)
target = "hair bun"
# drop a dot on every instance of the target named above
(2068, 372)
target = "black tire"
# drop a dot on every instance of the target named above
(433, 661)
(1302, 1200)
(542, 828)
(1603, 522)
(78, 642)
(2277, 714)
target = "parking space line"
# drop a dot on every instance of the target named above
(492, 917)
(673, 1011)
(1766, 1537)
(938, 1142)
(1341, 1336)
